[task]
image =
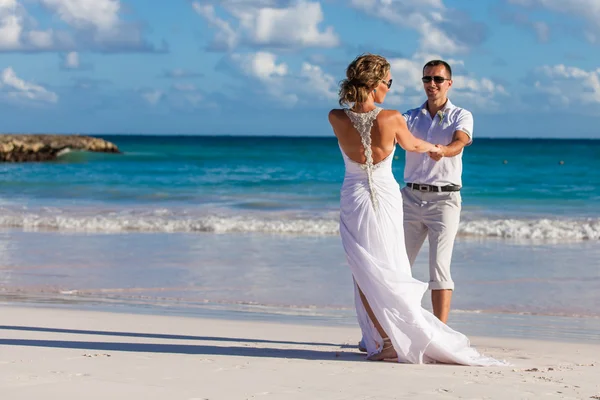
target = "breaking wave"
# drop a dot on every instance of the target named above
(272, 223)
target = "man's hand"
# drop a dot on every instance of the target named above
(437, 156)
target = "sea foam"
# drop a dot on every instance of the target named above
(165, 221)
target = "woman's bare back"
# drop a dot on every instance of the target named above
(383, 139)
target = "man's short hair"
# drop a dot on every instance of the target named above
(435, 63)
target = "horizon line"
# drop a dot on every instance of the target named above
(276, 136)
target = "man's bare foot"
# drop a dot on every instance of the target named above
(387, 353)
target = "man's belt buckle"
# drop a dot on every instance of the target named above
(424, 188)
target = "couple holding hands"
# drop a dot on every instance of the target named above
(383, 228)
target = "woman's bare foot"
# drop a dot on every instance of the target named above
(387, 353)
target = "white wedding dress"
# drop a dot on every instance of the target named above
(372, 234)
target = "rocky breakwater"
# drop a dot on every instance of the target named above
(23, 148)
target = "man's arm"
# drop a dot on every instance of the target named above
(463, 136)
(406, 139)
(459, 141)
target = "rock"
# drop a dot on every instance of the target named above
(6, 147)
(23, 148)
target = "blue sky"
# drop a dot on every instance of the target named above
(525, 68)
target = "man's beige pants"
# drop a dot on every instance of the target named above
(435, 215)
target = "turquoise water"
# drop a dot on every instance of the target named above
(548, 189)
(249, 226)
(503, 287)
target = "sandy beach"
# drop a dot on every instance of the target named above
(69, 354)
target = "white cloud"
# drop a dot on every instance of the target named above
(272, 76)
(266, 75)
(261, 65)
(584, 8)
(11, 24)
(435, 39)
(14, 88)
(188, 98)
(570, 86)
(180, 73)
(264, 24)
(41, 39)
(184, 87)
(180, 96)
(195, 99)
(226, 36)
(318, 82)
(406, 73)
(99, 14)
(588, 10)
(152, 96)
(71, 60)
(90, 83)
(542, 31)
(479, 93)
(294, 25)
(440, 30)
(91, 25)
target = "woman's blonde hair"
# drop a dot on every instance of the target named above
(362, 75)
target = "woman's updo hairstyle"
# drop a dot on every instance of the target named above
(362, 76)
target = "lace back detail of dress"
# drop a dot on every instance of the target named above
(363, 122)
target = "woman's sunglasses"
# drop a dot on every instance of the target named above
(436, 79)
(388, 83)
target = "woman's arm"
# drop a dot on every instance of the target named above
(334, 116)
(407, 140)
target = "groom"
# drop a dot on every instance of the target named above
(431, 197)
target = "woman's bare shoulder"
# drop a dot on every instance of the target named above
(390, 117)
(336, 114)
(389, 113)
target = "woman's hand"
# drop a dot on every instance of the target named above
(437, 152)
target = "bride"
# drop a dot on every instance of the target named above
(387, 297)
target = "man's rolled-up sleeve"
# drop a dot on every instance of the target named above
(464, 123)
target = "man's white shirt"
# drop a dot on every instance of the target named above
(420, 168)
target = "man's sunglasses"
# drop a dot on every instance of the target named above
(436, 79)
(388, 83)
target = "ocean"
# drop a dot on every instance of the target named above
(248, 227)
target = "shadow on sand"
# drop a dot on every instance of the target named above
(304, 354)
